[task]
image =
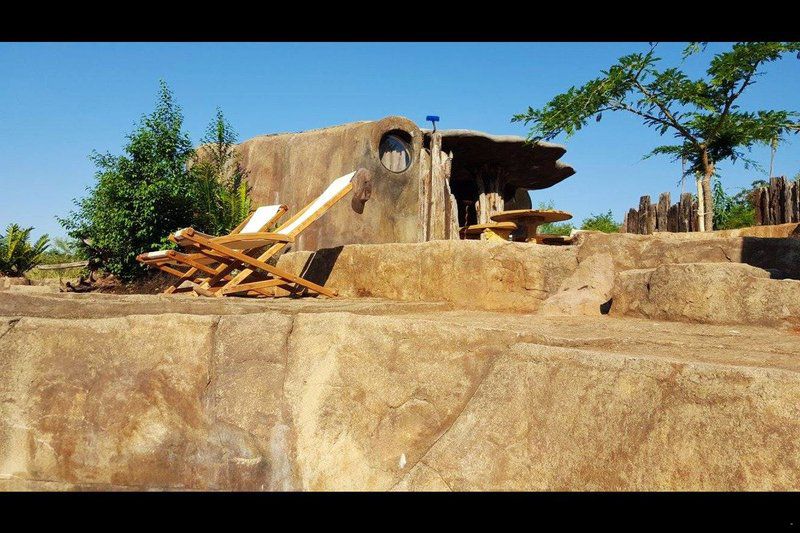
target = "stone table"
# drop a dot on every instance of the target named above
(530, 219)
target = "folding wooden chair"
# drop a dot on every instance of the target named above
(208, 263)
(278, 239)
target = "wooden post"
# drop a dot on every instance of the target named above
(774, 201)
(490, 197)
(644, 211)
(757, 194)
(786, 195)
(662, 211)
(633, 221)
(651, 219)
(796, 201)
(672, 218)
(765, 209)
(684, 212)
(694, 220)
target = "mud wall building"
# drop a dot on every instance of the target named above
(425, 184)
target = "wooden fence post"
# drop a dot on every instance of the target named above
(672, 218)
(685, 212)
(633, 221)
(775, 201)
(644, 211)
(662, 212)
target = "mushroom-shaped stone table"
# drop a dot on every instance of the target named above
(530, 219)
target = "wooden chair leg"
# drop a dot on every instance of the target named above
(261, 265)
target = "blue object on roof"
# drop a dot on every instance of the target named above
(432, 118)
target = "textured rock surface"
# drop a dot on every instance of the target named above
(708, 292)
(791, 229)
(586, 291)
(649, 251)
(389, 396)
(472, 274)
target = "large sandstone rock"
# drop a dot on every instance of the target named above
(411, 398)
(631, 251)
(471, 274)
(586, 291)
(714, 293)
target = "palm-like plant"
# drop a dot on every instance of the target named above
(17, 254)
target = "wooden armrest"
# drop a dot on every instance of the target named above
(258, 236)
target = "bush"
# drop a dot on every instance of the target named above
(553, 228)
(17, 255)
(603, 222)
(737, 211)
(147, 193)
(224, 191)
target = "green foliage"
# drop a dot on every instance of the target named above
(553, 228)
(223, 190)
(63, 251)
(603, 222)
(737, 211)
(153, 190)
(17, 254)
(702, 114)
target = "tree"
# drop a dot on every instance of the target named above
(141, 196)
(703, 114)
(17, 255)
(224, 190)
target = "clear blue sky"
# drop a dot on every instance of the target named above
(58, 102)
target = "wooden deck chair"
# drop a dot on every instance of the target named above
(208, 263)
(279, 239)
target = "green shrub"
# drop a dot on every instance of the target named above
(223, 189)
(151, 191)
(17, 254)
(603, 222)
(737, 211)
(553, 228)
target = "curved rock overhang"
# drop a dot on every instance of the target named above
(524, 164)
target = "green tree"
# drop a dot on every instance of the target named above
(141, 196)
(702, 114)
(603, 222)
(224, 191)
(17, 254)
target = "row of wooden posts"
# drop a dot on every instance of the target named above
(777, 203)
(663, 216)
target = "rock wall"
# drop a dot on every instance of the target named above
(709, 293)
(444, 401)
(473, 274)
(649, 251)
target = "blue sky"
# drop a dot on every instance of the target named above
(60, 101)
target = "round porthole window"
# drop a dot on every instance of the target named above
(395, 151)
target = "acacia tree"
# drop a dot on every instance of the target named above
(702, 114)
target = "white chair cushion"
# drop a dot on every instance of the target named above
(333, 189)
(156, 255)
(263, 214)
